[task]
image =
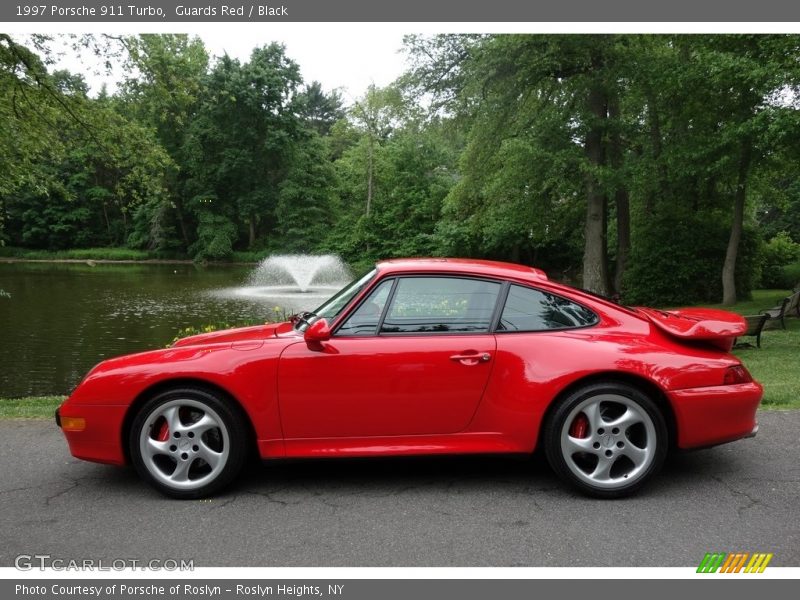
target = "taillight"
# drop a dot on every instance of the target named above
(737, 374)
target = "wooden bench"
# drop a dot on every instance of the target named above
(790, 306)
(755, 325)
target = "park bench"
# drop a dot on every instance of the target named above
(755, 325)
(789, 306)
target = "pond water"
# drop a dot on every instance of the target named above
(57, 320)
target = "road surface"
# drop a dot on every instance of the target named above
(459, 511)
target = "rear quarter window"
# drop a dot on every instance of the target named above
(528, 309)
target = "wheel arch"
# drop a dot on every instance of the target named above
(184, 382)
(646, 386)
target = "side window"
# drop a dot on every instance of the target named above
(527, 309)
(441, 304)
(364, 321)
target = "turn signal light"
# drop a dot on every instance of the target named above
(737, 374)
(73, 423)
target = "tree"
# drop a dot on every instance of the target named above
(412, 168)
(305, 200)
(30, 105)
(163, 87)
(319, 110)
(84, 160)
(522, 89)
(713, 128)
(759, 67)
(240, 141)
(373, 116)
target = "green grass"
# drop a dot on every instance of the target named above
(776, 363)
(77, 254)
(35, 407)
(125, 254)
(249, 256)
(761, 299)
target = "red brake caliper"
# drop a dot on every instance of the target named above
(163, 432)
(579, 427)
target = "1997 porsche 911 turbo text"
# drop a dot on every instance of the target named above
(426, 356)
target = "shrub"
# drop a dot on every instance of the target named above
(780, 252)
(677, 259)
(791, 275)
(249, 256)
(216, 235)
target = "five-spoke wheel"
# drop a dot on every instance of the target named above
(606, 438)
(187, 443)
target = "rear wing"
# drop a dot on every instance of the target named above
(717, 327)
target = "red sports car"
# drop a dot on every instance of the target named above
(426, 356)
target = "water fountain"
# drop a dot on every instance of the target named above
(293, 282)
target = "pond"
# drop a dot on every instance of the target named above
(57, 320)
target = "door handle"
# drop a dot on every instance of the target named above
(484, 357)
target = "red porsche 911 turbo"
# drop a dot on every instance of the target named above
(426, 356)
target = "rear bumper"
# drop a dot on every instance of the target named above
(101, 440)
(714, 415)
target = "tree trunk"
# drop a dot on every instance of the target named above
(182, 223)
(595, 270)
(124, 223)
(655, 141)
(2, 218)
(108, 224)
(370, 172)
(251, 244)
(623, 236)
(621, 198)
(729, 266)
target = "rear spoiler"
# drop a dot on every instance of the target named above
(717, 327)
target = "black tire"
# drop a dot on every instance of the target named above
(587, 450)
(206, 454)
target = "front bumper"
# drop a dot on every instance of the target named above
(101, 440)
(714, 415)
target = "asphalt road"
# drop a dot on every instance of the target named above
(460, 511)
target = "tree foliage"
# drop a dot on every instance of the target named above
(651, 166)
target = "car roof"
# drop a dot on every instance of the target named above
(502, 270)
(461, 265)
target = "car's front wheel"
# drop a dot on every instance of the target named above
(187, 443)
(607, 439)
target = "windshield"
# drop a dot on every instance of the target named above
(331, 308)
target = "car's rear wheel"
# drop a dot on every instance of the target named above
(607, 439)
(188, 443)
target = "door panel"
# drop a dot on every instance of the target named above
(384, 385)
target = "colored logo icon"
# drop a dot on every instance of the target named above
(734, 562)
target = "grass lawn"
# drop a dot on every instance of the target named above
(775, 364)
(38, 407)
(77, 254)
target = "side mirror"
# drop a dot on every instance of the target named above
(318, 331)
